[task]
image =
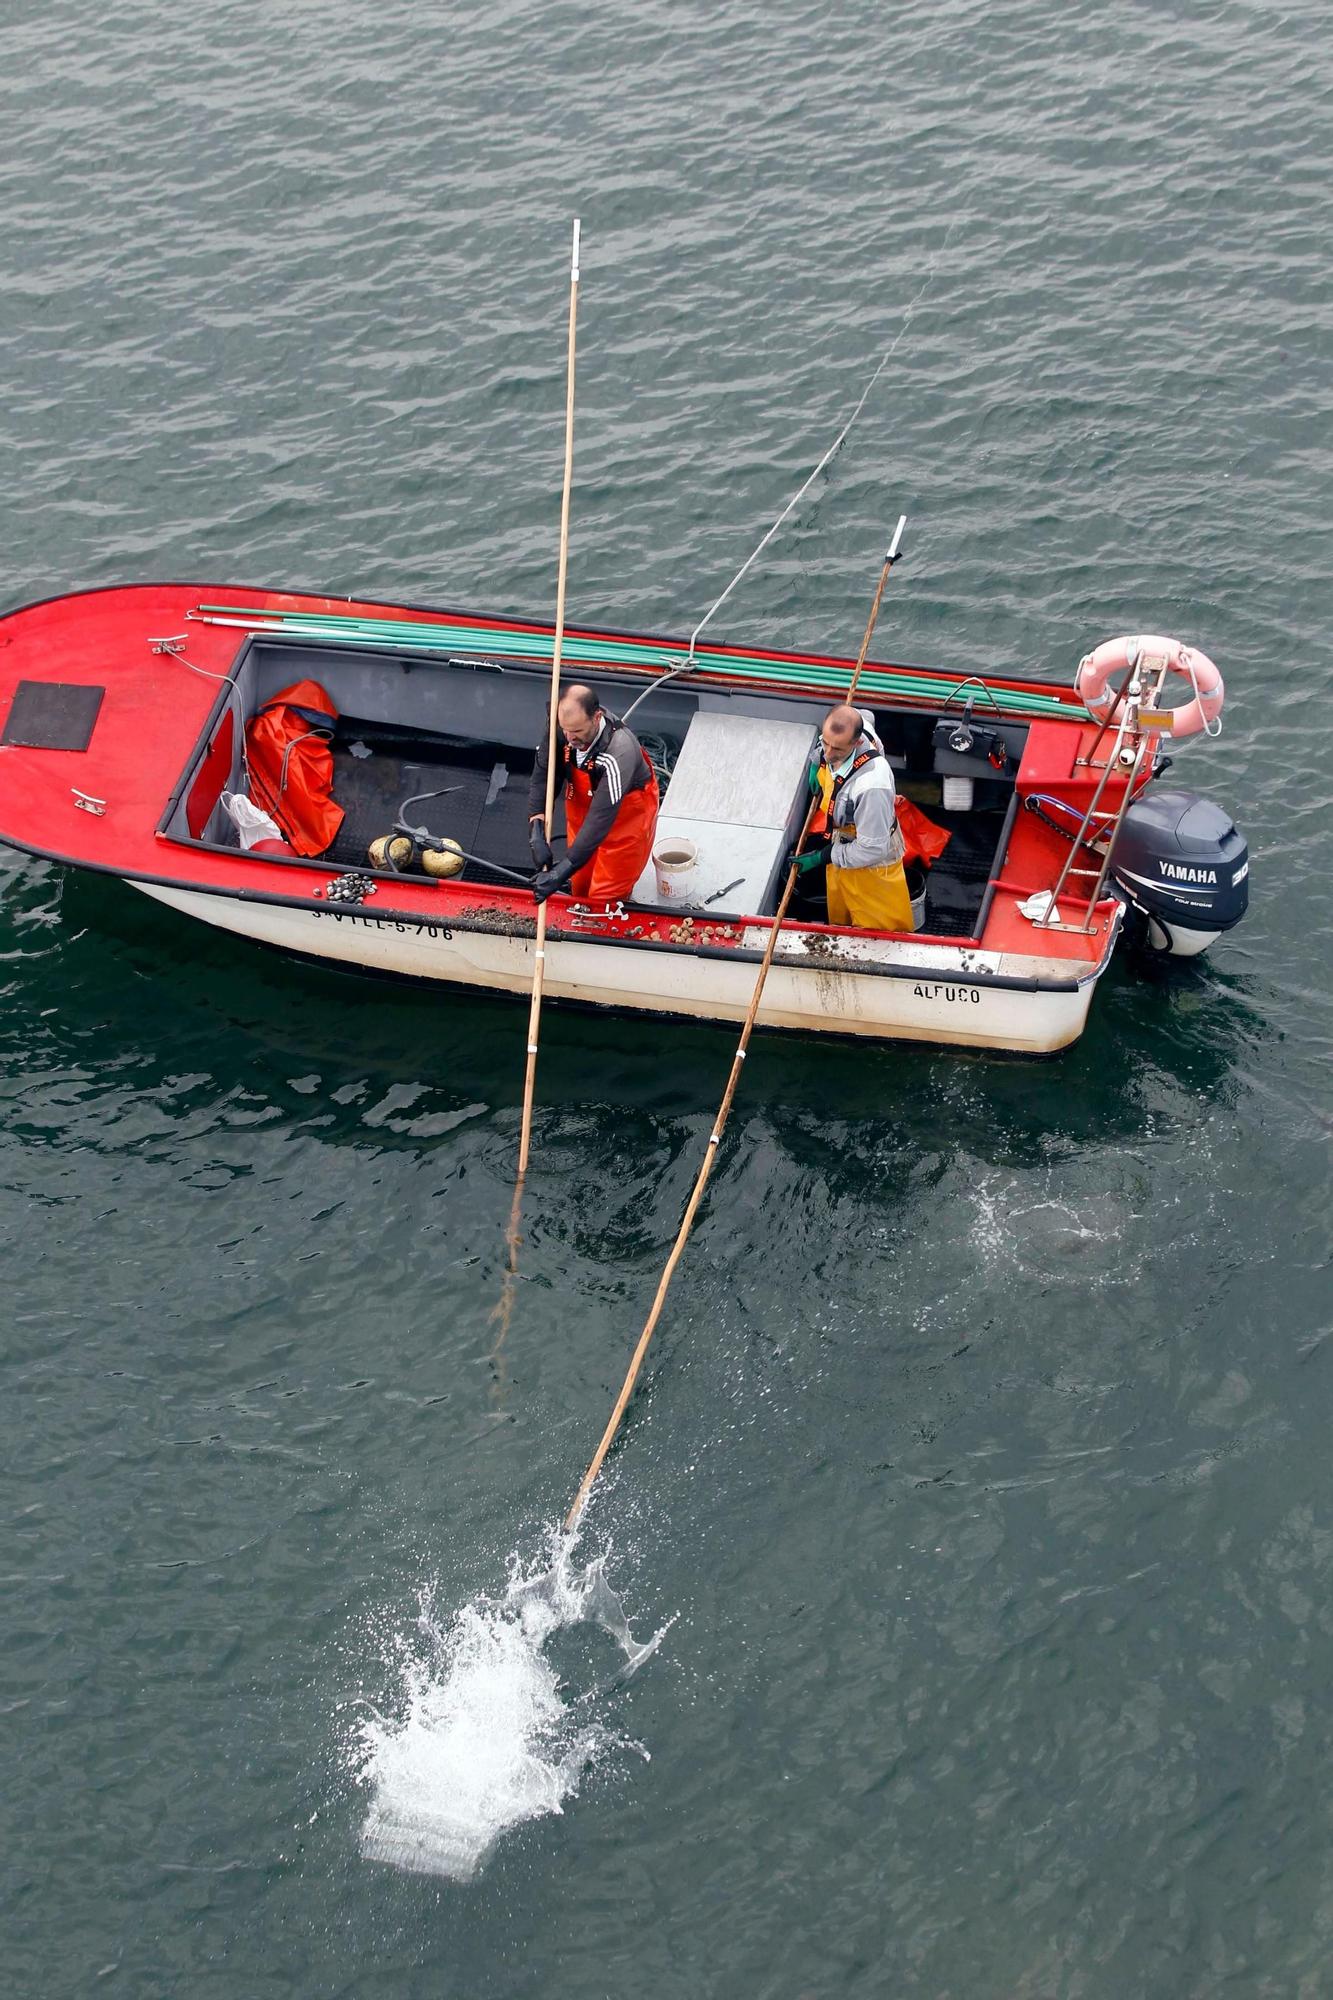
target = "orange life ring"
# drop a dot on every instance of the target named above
(1114, 655)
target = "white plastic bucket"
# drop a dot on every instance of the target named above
(676, 864)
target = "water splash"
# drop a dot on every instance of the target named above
(487, 1735)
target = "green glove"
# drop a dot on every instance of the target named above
(814, 857)
(812, 779)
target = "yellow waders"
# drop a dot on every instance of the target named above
(873, 899)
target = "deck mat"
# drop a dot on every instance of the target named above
(956, 885)
(53, 715)
(371, 790)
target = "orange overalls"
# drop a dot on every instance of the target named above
(290, 765)
(620, 860)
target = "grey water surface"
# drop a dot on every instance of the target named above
(983, 1452)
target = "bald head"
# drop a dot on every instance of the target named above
(579, 715)
(576, 696)
(842, 727)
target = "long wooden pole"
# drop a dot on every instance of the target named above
(504, 1307)
(724, 1109)
(539, 956)
(889, 560)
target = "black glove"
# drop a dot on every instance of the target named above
(540, 845)
(552, 879)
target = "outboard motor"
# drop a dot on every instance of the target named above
(1183, 865)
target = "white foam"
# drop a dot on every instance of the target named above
(486, 1736)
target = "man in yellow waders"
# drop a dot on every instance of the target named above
(864, 878)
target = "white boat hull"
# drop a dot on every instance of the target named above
(894, 991)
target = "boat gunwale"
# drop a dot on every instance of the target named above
(742, 954)
(1061, 693)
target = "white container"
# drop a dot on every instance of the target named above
(916, 889)
(676, 863)
(957, 795)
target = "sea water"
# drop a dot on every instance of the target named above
(983, 1446)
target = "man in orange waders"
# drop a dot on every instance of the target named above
(610, 804)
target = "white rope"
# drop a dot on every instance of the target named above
(832, 450)
(683, 666)
(172, 652)
(1214, 728)
(794, 501)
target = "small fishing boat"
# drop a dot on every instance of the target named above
(125, 713)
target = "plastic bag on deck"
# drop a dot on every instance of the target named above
(922, 839)
(251, 824)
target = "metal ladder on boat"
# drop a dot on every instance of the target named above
(1136, 735)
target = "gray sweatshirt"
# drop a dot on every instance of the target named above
(868, 801)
